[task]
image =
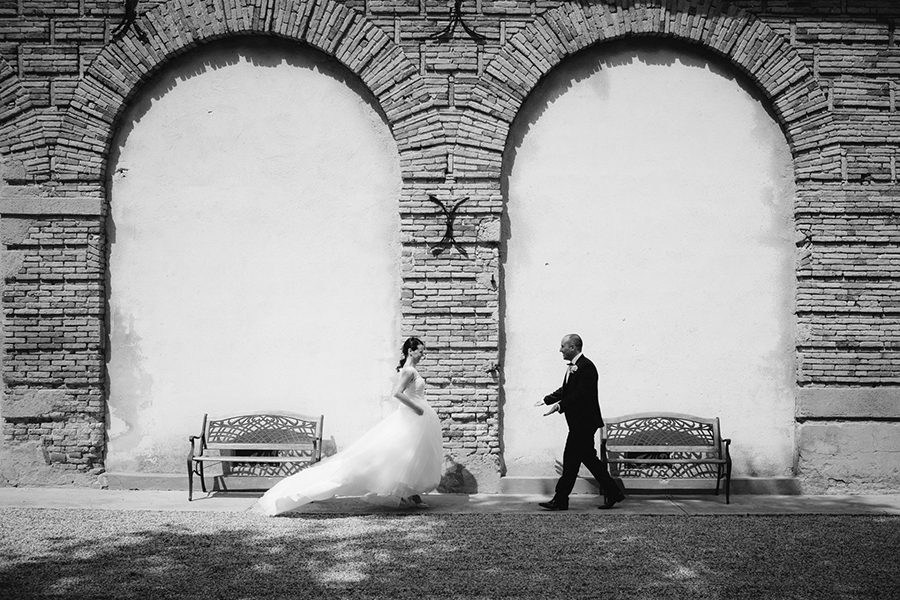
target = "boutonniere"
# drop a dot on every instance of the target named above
(573, 368)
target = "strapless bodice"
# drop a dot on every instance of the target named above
(416, 388)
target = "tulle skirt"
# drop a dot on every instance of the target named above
(401, 456)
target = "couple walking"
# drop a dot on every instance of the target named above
(400, 458)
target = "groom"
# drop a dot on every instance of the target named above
(577, 400)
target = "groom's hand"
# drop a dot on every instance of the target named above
(553, 409)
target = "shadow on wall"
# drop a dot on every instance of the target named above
(590, 61)
(582, 67)
(457, 479)
(329, 447)
(261, 52)
(123, 418)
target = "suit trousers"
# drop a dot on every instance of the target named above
(579, 451)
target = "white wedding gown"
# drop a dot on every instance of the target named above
(401, 456)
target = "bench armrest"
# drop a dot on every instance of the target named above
(193, 451)
(726, 442)
(317, 449)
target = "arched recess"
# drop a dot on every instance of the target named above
(110, 83)
(745, 41)
(170, 30)
(665, 238)
(175, 26)
(253, 249)
(769, 62)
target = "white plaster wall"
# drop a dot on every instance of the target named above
(650, 210)
(254, 251)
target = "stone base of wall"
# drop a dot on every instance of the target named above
(150, 481)
(28, 465)
(847, 457)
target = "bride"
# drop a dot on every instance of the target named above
(396, 461)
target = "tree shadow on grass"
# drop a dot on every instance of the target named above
(156, 555)
(80, 554)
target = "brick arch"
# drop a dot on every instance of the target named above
(745, 41)
(13, 97)
(174, 27)
(30, 160)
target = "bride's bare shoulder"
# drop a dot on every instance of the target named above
(407, 372)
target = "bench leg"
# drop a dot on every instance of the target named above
(728, 483)
(190, 479)
(202, 478)
(727, 476)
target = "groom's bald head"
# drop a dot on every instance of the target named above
(574, 339)
(570, 346)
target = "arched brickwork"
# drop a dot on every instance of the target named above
(22, 164)
(744, 40)
(175, 27)
(13, 98)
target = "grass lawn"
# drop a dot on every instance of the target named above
(81, 554)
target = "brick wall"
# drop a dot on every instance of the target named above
(829, 68)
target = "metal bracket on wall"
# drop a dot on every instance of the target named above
(129, 20)
(446, 34)
(448, 239)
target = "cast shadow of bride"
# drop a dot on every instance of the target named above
(457, 479)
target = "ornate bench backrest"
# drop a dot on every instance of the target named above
(662, 436)
(269, 428)
(260, 434)
(668, 429)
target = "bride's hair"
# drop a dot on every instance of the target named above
(410, 344)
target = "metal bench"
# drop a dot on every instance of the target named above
(261, 447)
(663, 451)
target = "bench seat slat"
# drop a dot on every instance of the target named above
(259, 459)
(668, 461)
(615, 448)
(675, 484)
(244, 446)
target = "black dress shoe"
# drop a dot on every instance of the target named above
(610, 502)
(553, 505)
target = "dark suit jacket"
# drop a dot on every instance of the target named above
(577, 397)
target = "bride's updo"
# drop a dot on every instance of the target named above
(409, 345)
